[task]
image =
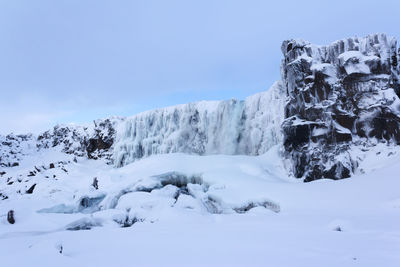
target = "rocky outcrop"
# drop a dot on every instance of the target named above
(94, 141)
(13, 148)
(338, 96)
(100, 143)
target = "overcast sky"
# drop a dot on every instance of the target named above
(76, 60)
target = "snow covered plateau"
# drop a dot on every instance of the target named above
(222, 183)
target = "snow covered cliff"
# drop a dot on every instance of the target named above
(339, 96)
(333, 102)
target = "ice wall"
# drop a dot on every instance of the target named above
(248, 127)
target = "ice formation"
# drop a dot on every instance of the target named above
(231, 127)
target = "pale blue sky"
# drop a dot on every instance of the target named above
(76, 60)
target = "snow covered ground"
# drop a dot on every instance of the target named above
(187, 210)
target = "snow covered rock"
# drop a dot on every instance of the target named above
(94, 141)
(339, 95)
(82, 140)
(14, 147)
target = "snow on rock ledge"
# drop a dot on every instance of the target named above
(248, 127)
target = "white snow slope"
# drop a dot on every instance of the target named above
(190, 210)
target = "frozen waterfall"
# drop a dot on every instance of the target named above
(247, 127)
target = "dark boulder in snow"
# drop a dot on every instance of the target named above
(30, 190)
(95, 183)
(10, 217)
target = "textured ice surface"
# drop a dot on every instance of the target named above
(231, 127)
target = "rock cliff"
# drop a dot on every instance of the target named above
(338, 96)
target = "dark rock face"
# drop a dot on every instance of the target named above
(102, 140)
(338, 96)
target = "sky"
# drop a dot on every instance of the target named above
(72, 61)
